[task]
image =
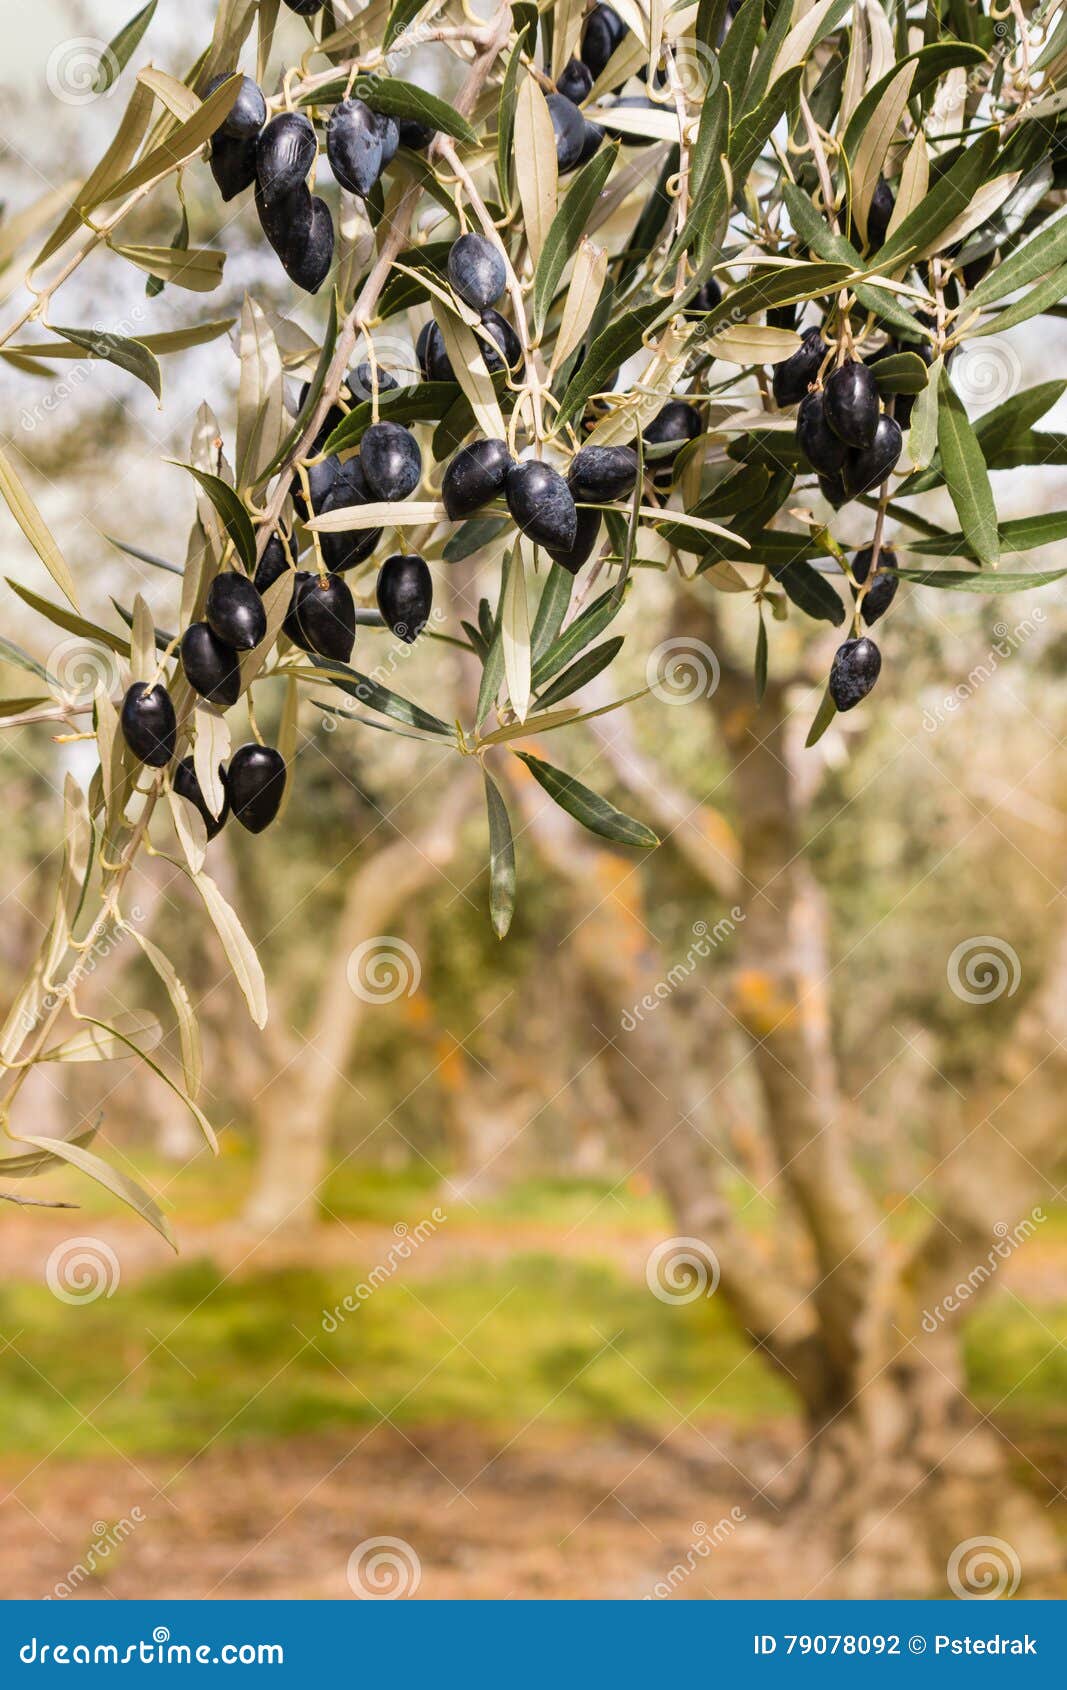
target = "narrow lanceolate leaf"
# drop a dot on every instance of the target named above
(190, 829)
(260, 411)
(95, 1042)
(377, 697)
(119, 51)
(921, 439)
(823, 717)
(1019, 534)
(128, 137)
(143, 643)
(1043, 252)
(580, 673)
(875, 143)
(583, 293)
(404, 99)
(753, 343)
(567, 228)
(966, 475)
(501, 859)
(588, 808)
(515, 634)
(196, 268)
(66, 619)
(96, 1168)
(978, 581)
(35, 529)
(465, 353)
(551, 608)
(178, 97)
(179, 146)
(236, 519)
(117, 349)
(211, 747)
(536, 168)
(188, 1031)
(240, 952)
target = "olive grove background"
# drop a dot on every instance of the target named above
(503, 1284)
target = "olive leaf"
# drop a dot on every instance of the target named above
(566, 229)
(965, 473)
(536, 167)
(188, 1031)
(501, 859)
(121, 48)
(88, 1163)
(211, 747)
(179, 146)
(581, 672)
(240, 952)
(129, 355)
(587, 807)
(196, 268)
(403, 99)
(35, 529)
(236, 519)
(515, 635)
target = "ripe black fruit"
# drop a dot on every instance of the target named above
(569, 126)
(592, 137)
(851, 401)
(542, 504)
(390, 135)
(585, 538)
(883, 589)
(508, 341)
(233, 164)
(247, 115)
(285, 152)
(344, 550)
(795, 374)
(405, 595)
(186, 785)
(354, 146)
(211, 667)
(234, 611)
(291, 626)
(832, 488)
(865, 470)
(392, 462)
(434, 361)
(602, 473)
(855, 669)
(326, 612)
(149, 725)
(360, 382)
(255, 782)
(575, 81)
(306, 8)
(824, 450)
(705, 299)
(307, 258)
(414, 134)
(603, 31)
(475, 475)
(321, 477)
(274, 562)
(476, 271)
(676, 423)
(879, 212)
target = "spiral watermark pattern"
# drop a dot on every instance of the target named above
(384, 968)
(682, 1270)
(81, 1270)
(392, 357)
(983, 1569)
(76, 68)
(983, 969)
(696, 70)
(682, 670)
(80, 669)
(986, 372)
(383, 1569)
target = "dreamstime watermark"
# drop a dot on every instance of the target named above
(106, 1539)
(1007, 641)
(705, 941)
(86, 965)
(704, 1539)
(390, 358)
(104, 340)
(77, 670)
(77, 68)
(408, 1240)
(384, 968)
(983, 968)
(986, 372)
(1009, 1239)
(983, 1569)
(682, 1270)
(384, 671)
(81, 1270)
(682, 670)
(383, 1569)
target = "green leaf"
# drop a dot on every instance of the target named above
(760, 666)
(589, 808)
(823, 717)
(501, 859)
(810, 592)
(404, 12)
(128, 137)
(979, 581)
(35, 529)
(119, 51)
(236, 520)
(965, 474)
(11, 653)
(404, 99)
(581, 632)
(567, 227)
(1021, 534)
(371, 692)
(239, 950)
(901, 372)
(424, 403)
(1039, 299)
(515, 635)
(921, 228)
(506, 113)
(179, 146)
(144, 557)
(96, 1168)
(611, 348)
(128, 355)
(817, 235)
(1043, 252)
(197, 268)
(579, 673)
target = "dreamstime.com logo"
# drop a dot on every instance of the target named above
(76, 68)
(983, 1569)
(408, 1240)
(106, 1540)
(80, 1270)
(1007, 640)
(155, 1651)
(383, 1569)
(703, 1540)
(682, 1270)
(384, 968)
(1009, 1239)
(983, 968)
(682, 670)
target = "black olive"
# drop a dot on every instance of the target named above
(575, 81)
(542, 504)
(602, 32)
(592, 135)
(291, 626)
(569, 126)
(247, 115)
(851, 402)
(405, 595)
(824, 450)
(866, 470)
(599, 474)
(585, 538)
(310, 266)
(391, 460)
(326, 612)
(832, 488)
(305, 8)
(414, 134)
(149, 726)
(795, 374)
(321, 477)
(274, 562)
(255, 782)
(285, 152)
(186, 785)
(234, 611)
(855, 669)
(475, 475)
(879, 212)
(286, 220)
(211, 667)
(430, 351)
(360, 382)
(390, 136)
(675, 423)
(233, 165)
(354, 146)
(883, 589)
(506, 339)
(350, 546)
(476, 271)
(705, 299)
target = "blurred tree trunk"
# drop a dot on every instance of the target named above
(297, 1107)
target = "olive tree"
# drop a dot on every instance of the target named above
(610, 291)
